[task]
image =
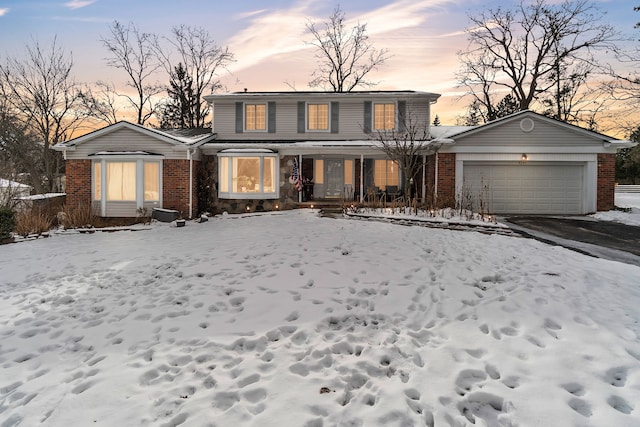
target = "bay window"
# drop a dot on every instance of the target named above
(134, 182)
(247, 175)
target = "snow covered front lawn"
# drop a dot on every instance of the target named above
(290, 319)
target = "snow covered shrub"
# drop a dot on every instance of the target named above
(7, 223)
(34, 221)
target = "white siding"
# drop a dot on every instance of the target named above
(125, 140)
(121, 209)
(544, 134)
(351, 117)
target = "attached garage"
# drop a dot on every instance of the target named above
(528, 188)
(527, 163)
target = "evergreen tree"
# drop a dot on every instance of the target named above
(178, 110)
(436, 121)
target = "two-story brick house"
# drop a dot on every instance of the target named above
(261, 143)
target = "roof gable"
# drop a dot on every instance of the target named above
(175, 137)
(528, 122)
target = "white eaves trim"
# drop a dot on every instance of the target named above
(179, 142)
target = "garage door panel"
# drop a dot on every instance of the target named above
(528, 188)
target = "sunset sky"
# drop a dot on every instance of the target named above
(268, 37)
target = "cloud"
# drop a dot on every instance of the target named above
(77, 4)
(4, 11)
(283, 31)
(250, 13)
(273, 47)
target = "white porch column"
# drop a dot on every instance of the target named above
(361, 178)
(299, 177)
(424, 178)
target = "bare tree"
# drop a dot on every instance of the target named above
(520, 50)
(345, 56)
(101, 101)
(132, 51)
(405, 146)
(44, 97)
(201, 60)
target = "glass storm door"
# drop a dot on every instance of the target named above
(334, 178)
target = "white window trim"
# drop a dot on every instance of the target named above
(254, 195)
(266, 117)
(306, 117)
(373, 115)
(139, 160)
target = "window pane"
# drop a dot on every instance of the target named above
(223, 174)
(348, 172)
(392, 173)
(97, 181)
(380, 174)
(384, 116)
(318, 116)
(151, 181)
(246, 174)
(269, 175)
(261, 117)
(121, 181)
(319, 172)
(255, 117)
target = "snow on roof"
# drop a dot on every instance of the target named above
(173, 136)
(5, 183)
(124, 153)
(247, 150)
(42, 196)
(187, 136)
(448, 131)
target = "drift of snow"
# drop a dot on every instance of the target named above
(630, 201)
(293, 319)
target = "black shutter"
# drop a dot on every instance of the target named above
(271, 122)
(335, 114)
(402, 116)
(301, 117)
(239, 117)
(367, 117)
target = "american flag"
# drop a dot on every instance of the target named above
(296, 176)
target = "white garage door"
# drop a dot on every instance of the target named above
(527, 188)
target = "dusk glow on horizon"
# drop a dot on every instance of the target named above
(269, 40)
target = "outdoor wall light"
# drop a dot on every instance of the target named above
(524, 156)
(248, 208)
(277, 206)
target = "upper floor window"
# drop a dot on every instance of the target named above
(255, 117)
(384, 116)
(318, 116)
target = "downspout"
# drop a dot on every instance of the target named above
(190, 158)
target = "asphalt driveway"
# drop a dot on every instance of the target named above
(603, 234)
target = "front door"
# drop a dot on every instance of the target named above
(334, 177)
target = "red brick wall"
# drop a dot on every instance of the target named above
(175, 186)
(606, 181)
(78, 182)
(446, 179)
